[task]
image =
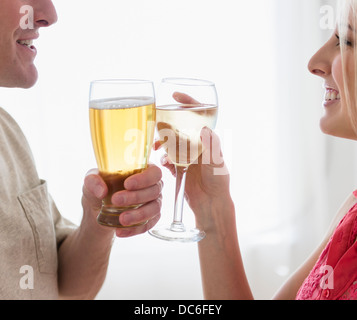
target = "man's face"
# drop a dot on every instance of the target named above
(17, 31)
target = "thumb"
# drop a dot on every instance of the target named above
(94, 189)
(212, 153)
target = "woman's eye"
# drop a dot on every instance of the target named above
(347, 43)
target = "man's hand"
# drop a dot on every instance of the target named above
(144, 187)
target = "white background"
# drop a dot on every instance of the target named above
(256, 52)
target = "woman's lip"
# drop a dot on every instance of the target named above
(331, 102)
(331, 88)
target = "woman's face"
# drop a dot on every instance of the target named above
(17, 53)
(327, 64)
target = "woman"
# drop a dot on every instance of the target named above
(330, 272)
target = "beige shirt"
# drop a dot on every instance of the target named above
(31, 228)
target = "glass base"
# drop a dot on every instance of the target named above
(177, 232)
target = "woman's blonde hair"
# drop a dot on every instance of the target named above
(347, 12)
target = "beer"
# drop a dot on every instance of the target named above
(179, 128)
(122, 133)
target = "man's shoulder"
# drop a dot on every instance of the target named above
(15, 152)
(8, 123)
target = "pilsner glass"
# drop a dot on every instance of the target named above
(185, 107)
(122, 122)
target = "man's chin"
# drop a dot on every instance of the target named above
(22, 80)
(27, 85)
(28, 81)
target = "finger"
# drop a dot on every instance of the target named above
(212, 153)
(141, 214)
(128, 198)
(157, 145)
(145, 179)
(184, 98)
(165, 161)
(129, 232)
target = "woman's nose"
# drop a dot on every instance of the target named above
(320, 64)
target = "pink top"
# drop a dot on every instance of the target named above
(334, 277)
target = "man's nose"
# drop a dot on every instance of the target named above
(45, 13)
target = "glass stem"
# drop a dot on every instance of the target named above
(177, 224)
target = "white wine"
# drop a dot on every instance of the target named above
(122, 133)
(179, 128)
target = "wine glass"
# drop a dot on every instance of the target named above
(122, 122)
(185, 106)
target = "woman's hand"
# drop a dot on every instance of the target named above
(144, 187)
(207, 193)
(207, 182)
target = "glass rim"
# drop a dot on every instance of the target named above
(192, 82)
(121, 81)
(192, 106)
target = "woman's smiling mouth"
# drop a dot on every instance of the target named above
(332, 94)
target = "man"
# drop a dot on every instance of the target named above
(44, 256)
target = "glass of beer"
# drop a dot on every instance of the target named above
(184, 108)
(122, 122)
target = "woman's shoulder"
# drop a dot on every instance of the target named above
(341, 213)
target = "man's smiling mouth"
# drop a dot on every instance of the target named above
(27, 43)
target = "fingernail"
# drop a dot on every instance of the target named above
(99, 191)
(206, 131)
(163, 160)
